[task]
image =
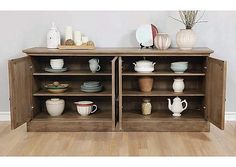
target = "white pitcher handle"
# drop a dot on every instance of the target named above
(186, 104)
(99, 67)
(153, 63)
(134, 64)
(95, 108)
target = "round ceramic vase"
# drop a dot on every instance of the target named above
(186, 39)
(178, 85)
(162, 41)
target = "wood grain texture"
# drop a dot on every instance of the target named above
(215, 91)
(73, 73)
(163, 74)
(20, 79)
(71, 121)
(161, 93)
(73, 92)
(113, 82)
(124, 51)
(20, 143)
(120, 93)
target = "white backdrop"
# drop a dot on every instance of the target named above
(20, 30)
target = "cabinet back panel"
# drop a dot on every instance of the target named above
(195, 64)
(103, 103)
(74, 81)
(160, 103)
(72, 63)
(165, 83)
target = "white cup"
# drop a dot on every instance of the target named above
(85, 108)
(57, 64)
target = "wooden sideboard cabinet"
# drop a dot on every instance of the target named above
(119, 104)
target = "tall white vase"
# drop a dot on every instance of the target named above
(162, 41)
(186, 39)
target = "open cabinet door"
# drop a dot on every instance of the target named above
(20, 80)
(215, 91)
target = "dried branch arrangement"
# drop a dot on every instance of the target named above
(189, 18)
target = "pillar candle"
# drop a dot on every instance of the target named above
(69, 33)
(77, 38)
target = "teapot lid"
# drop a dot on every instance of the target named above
(177, 99)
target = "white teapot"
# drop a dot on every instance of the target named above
(177, 106)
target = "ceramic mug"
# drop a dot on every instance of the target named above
(57, 64)
(94, 65)
(85, 108)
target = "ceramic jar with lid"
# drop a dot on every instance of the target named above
(53, 37)
(144, 66)
(55, 106)
(146, 106)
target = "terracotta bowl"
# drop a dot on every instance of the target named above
(145, 84)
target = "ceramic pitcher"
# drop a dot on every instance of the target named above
(94, 65)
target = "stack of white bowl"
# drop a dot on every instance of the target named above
(179, 67)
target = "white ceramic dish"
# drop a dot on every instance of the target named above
(145, 34)
(144, 70)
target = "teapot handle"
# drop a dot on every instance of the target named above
(186, 104)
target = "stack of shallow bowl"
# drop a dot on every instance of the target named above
(91, 86)
(179, 67)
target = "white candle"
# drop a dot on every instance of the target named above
(69, 33)
(78, 43)
(77, 38)
(85, 39)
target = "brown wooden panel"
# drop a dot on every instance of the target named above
(120, 93)
(113, 93)
(20, 78)
(71, 126)
(215, 91)
(167, 126)
(124, 51)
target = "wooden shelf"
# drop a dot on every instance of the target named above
(162, 115)
(161, 93)
(74, 116)
(73, 92)
(190, 121)
(71, 121)
(169, 73)
(73, 73)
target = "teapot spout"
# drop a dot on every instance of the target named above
(169, 104)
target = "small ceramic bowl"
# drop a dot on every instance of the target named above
(56, 87)
(179, 67)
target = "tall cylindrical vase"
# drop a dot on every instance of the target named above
(186, 39)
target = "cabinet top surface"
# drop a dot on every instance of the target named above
(123, 51)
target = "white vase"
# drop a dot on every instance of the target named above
(186, 39)
(178, 85)
(162, 41)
